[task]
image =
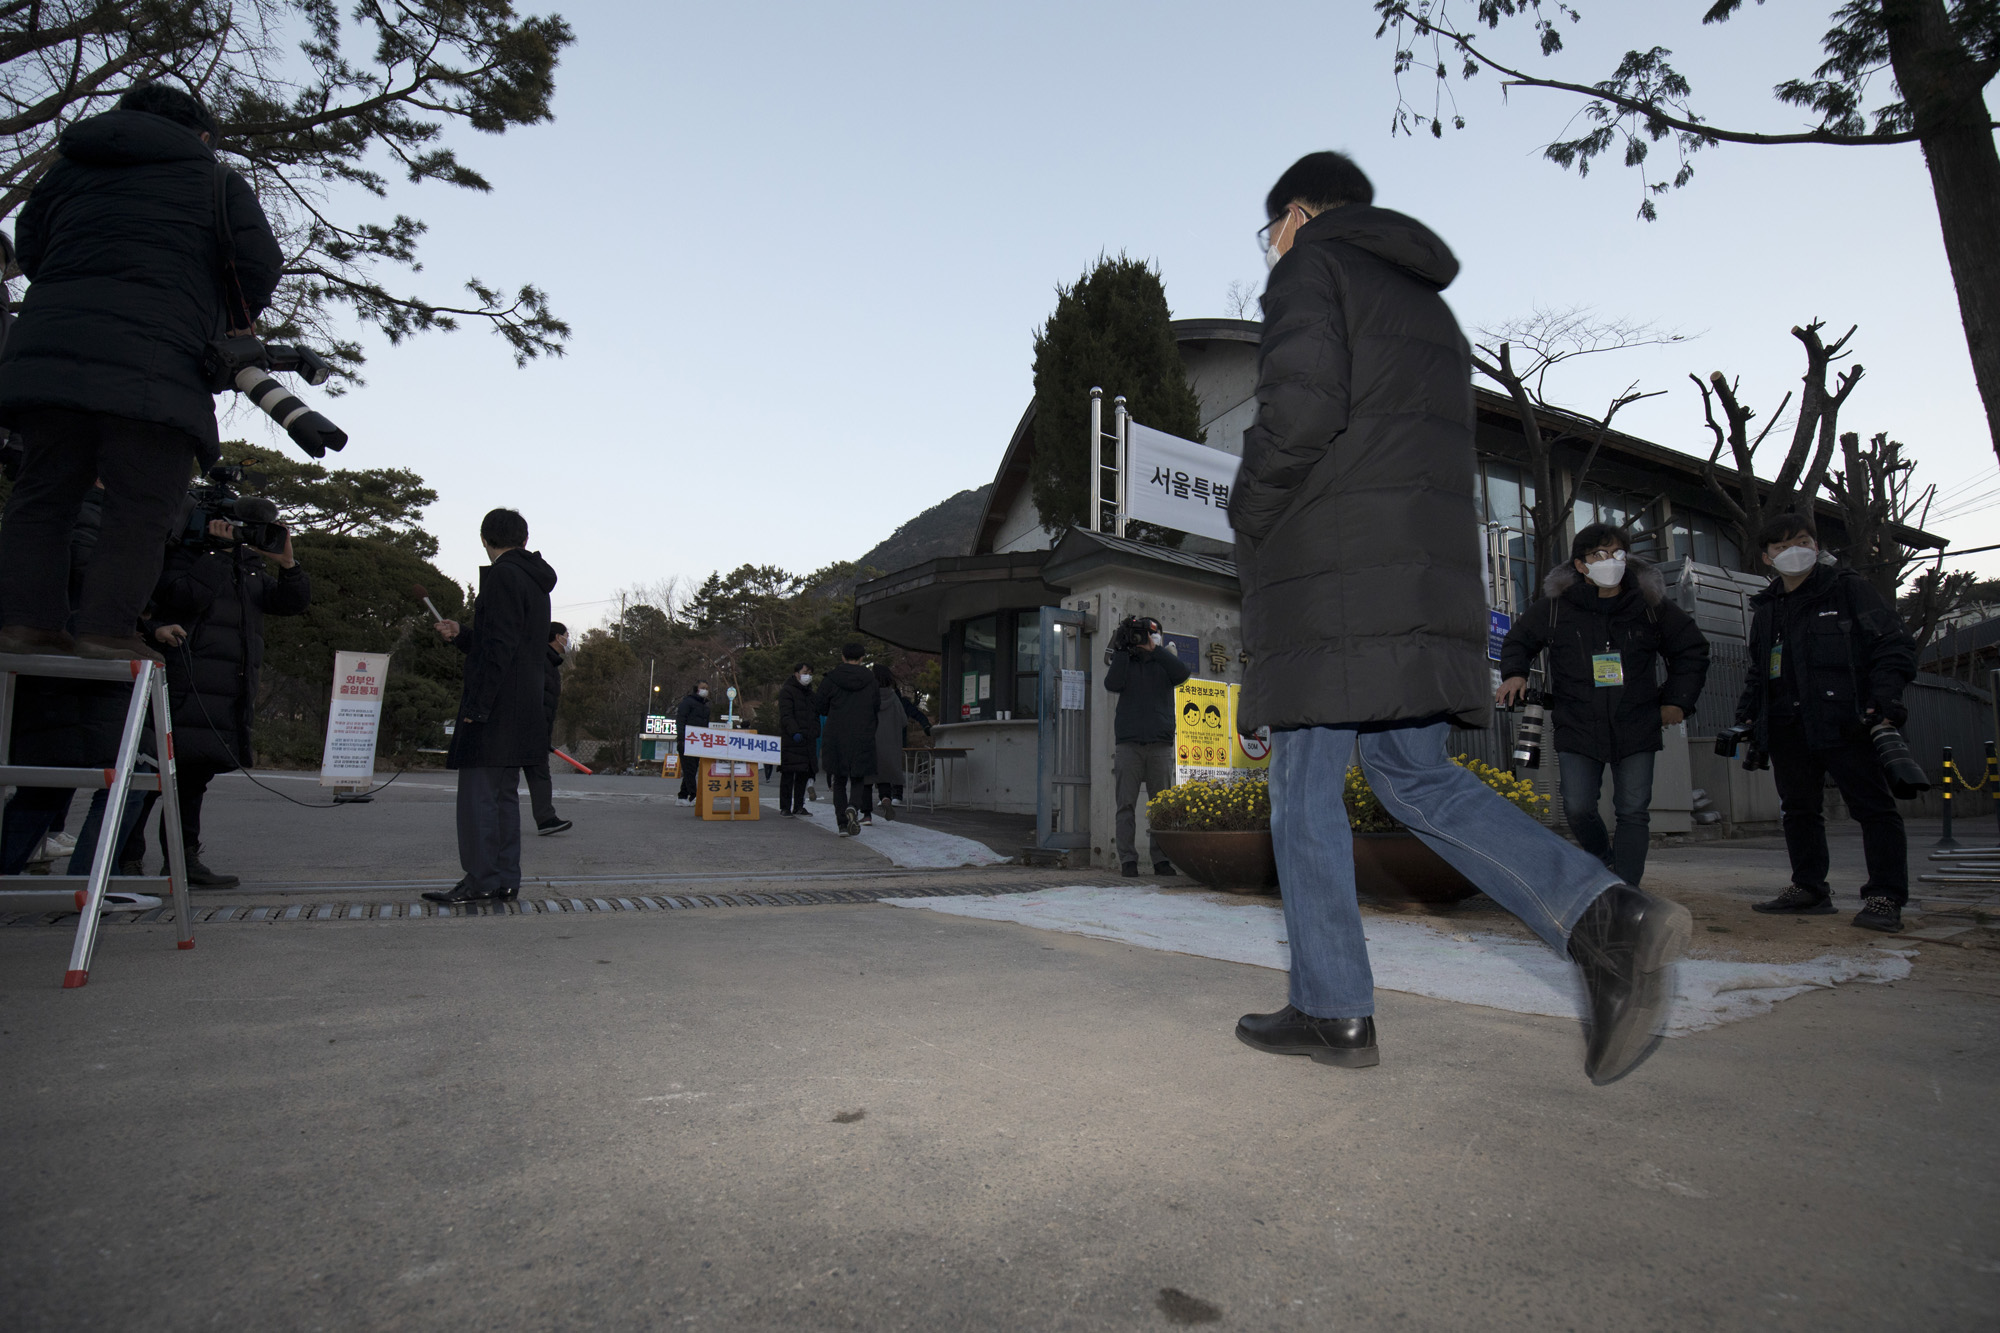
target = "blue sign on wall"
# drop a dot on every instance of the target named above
(1186, 647)
(1496, 630)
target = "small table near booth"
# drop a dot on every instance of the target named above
(926, 770)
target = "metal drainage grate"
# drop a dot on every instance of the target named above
(285, 912)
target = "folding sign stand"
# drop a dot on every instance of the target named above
(149, 688)
(727, 790)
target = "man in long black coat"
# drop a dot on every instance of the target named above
(692, 711)
(502, 727)
(209, 610)
(102, 371)
(798, 728)
(541, 787)
(847, 700)
(1357, 544)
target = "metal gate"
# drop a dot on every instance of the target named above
(1062, 764)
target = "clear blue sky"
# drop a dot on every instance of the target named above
(805, 249)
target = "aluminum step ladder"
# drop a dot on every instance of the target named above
(149, 692)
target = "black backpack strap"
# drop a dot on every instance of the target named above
(238, 312)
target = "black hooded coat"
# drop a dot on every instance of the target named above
(1357, 527)
(692, 711)
(1845, 652)
(798, 727)
(848, 700)
(220, 598)
(1609, 722)
(119, 245)
(502, 722)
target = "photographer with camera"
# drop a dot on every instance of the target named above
(103, 371)
(208, 614)
(1144, 676)
(1605, 623)
(1829, 661)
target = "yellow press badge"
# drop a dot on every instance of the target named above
(1607, 669)
(1777, 660)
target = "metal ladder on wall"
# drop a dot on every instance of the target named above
(149, 692)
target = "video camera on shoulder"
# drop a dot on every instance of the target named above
(253, 520)
(1133, 633)
(243, 363)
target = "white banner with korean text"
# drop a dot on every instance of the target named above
(354, 719)
(740, 746)
(1177, 483)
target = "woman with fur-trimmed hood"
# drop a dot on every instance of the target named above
(1607, 627)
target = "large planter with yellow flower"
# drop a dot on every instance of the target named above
(1217, 833)
(1392, 865)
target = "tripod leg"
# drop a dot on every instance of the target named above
(170, 807)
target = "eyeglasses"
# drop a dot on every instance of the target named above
(1601, 553)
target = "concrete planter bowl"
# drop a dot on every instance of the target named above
(1398, 868)
(1235, 862)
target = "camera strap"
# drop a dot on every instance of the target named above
(238, 313)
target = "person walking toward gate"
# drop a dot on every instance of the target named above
(849, 701)
(798, 732)
(1606, 624)
(502, 723)
(1365, 620)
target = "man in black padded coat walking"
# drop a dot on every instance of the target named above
(847, 699)
(102, 372)
(502, 727)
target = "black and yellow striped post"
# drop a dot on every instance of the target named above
(1946, 842)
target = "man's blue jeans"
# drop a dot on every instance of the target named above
(1528, 870)
(1631, 792)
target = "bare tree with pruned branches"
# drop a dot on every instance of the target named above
(1548, 339)
(1877, 493)
(1748, 503)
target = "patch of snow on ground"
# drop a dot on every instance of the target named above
(1497, 971)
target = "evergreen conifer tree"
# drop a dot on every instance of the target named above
(1110, 329)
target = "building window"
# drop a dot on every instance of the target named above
(1507, 497)
(1027, 663)
(977, 657)
(1700, 537)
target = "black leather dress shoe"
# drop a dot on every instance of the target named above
(461, 892)
(1626, 943)
(201, 877)
(512, 895)
(1330, 1041)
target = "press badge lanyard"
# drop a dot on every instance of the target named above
(1607, 669)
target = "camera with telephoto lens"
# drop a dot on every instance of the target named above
(1907, 779)
(244, 363)
(253, 520)
(1528, 735)
(1729, 739)
(1133, 633)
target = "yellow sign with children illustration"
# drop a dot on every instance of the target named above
(1206, 743)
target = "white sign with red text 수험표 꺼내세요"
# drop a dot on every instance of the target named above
(744, 747)
(354, 719)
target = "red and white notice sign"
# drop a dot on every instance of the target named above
(354, 719)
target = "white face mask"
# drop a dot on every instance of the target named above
(805, 677)
(1271, 252)
(1159, 639)
(1607, 573)
(701, 694)
(1795, 560)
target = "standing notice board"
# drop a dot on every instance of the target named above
(354, 719)
(1206, 741)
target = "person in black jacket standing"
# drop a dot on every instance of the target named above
(1607, 626)
(848, 700)
(1144, 676)
(502, 721)
(1829, 661)
(798, 728)
(102, 371)
(541, 787)
(691, 712)
(1365, 622)
(208, 613)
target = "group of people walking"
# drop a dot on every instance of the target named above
(851, 728)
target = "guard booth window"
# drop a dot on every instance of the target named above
(993, 665)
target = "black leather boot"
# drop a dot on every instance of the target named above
(1626, 942)
(201, 877)
(1330, 1041)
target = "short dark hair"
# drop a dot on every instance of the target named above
(556, 630)
(851, 652)
(1599, 534)
(1783, 527)
(158, 99)
(1319, 180)
(803, 666)
(884, 676)
(504, 528)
